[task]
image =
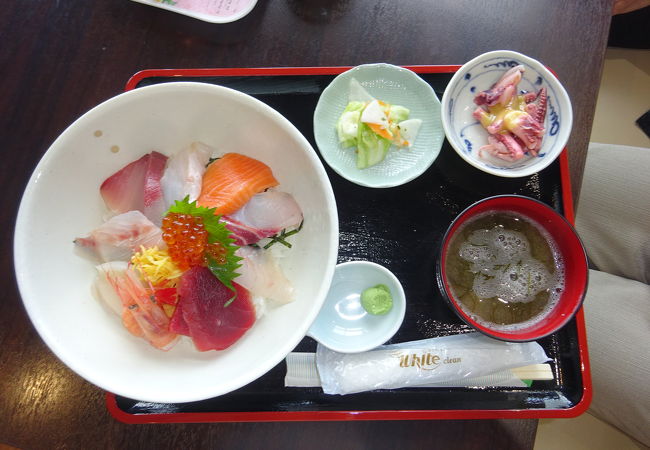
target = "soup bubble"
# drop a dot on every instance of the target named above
(503, 266)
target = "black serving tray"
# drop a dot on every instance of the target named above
(400, 228)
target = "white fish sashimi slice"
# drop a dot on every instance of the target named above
(270, 210)
(103, 288)
(358, 93)
(408, 131)
(120, 236)
(154, 206)
(262, 276)
(184, 173)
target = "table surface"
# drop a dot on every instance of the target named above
(59, 59)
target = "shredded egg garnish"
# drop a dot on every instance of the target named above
(155, 265)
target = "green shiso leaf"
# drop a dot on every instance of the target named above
(217, 232)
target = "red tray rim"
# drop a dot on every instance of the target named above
(296, 416)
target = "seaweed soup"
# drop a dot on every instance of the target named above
(504, 270)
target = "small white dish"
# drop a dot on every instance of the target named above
(395, 85)
(213, 12)
(342, 324)
(466, 135)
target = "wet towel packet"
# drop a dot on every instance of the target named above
(422, 362)
(302, 372)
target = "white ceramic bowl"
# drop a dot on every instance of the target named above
(343, 325)
(62, 201)
(395, 85)
(466, 135)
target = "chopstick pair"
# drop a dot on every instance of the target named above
(302, 372)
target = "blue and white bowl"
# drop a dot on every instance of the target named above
(467, 136)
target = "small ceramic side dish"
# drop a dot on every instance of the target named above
(394, 85)
(213, 12)
(466, 135)
(343, 325)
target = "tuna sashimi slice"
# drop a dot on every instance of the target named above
(201, 301)
(231, 181)
(137, 187)
(177, 323)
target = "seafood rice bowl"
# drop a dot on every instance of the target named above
(190, 241)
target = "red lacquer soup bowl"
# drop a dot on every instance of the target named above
(568, 248)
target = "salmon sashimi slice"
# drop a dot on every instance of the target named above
(232, 180)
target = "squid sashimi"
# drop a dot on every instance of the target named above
(231, 181)
(514, 122)
(120, 236)
(264, 215)
(184, 173)
(262, 276)
(137, 187)
(141, 314)
(201, 312)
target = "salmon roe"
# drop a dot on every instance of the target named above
(186, 239)
(217, 252)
